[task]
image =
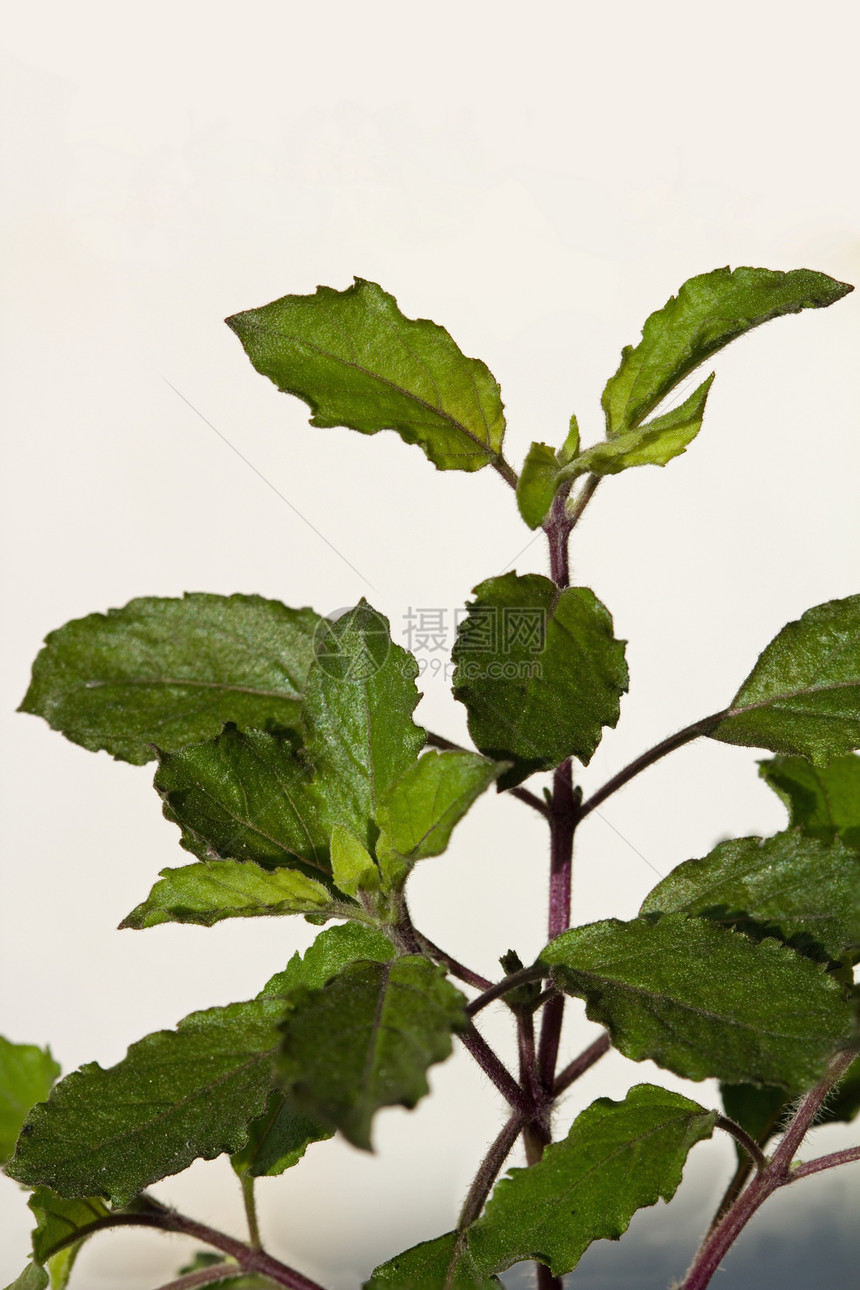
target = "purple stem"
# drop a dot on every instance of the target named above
(778, 1172)
(846, 1157)
(495, 1069)
(581, 1064)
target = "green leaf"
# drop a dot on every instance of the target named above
(703, 1000)
(356, 361)
(27, 1074)
(618, 1157)
(357, 717)
(708, 312)
(277, 1139)
(420, 809)
(205, 893)
(654, 444)
(759, 1110)
(538, 483)
(352, 865)
(823, 802)
(247, 797)
(570, 447)
(33, 1277)
(58, 1221)
(539, 671)
(366, 1040)
(428, 1267)
(803, 695)
(172, 672)
(332, 950)
(803, 890)
(179, 1095)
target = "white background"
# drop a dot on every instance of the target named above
(538, 181)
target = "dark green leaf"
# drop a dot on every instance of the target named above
(803, 890)
(420, 809)
(823, 802)
(654, 444)
(357, 361)
(206, 892)
(33, 1277)
(332, 950)
(538, 483)
(618, 1157)
(703, 1000)
(357, 717)
(428, 1267)
(539, 671)
(708, 312)
(27, 1074)
(172, 672)
(178, 1096)
(803, 695)
(247, 797)
(277, 1139)
(366, 1040)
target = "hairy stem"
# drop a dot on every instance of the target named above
(495, 1069)
(749, 1144)
(849, 1155)
(581, 1064)
(250, 1201)
(577, 505)
(205, 1277)
(562, 826)
(534, 973)
(489, 1171)
(777, 1173)
(506, 470)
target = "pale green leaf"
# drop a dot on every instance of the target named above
(356, 361)
(653, 444)
(801, 889)
(704, 1000)
(365, 1041)
(27, 1074)
(538, 482)
(351, 864)
(34, 1277)
(206, 892)
(539, 671)
(357, 718)
(420, 809)
(570, 447)
(803, 695)
(823, 801)
(172, 672)
(708, 312)
(62, 1226)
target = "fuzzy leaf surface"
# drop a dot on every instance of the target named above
(352, 865)
(179, 1095)
(617, 1158)
(428, 1267)
(357, 361)
(708, 312)
(800, 889)
(34, 1277)
(822, 801)
(803, 695)
(357, 718)
(654, 444)
(538, 482)
(27, 1074)
(211, 890)
(420, 809)
(704, 1000)
(171, 672)
(539, 671)
(247, 796)
(366, 1040)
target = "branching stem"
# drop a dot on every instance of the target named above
(749, 1144)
